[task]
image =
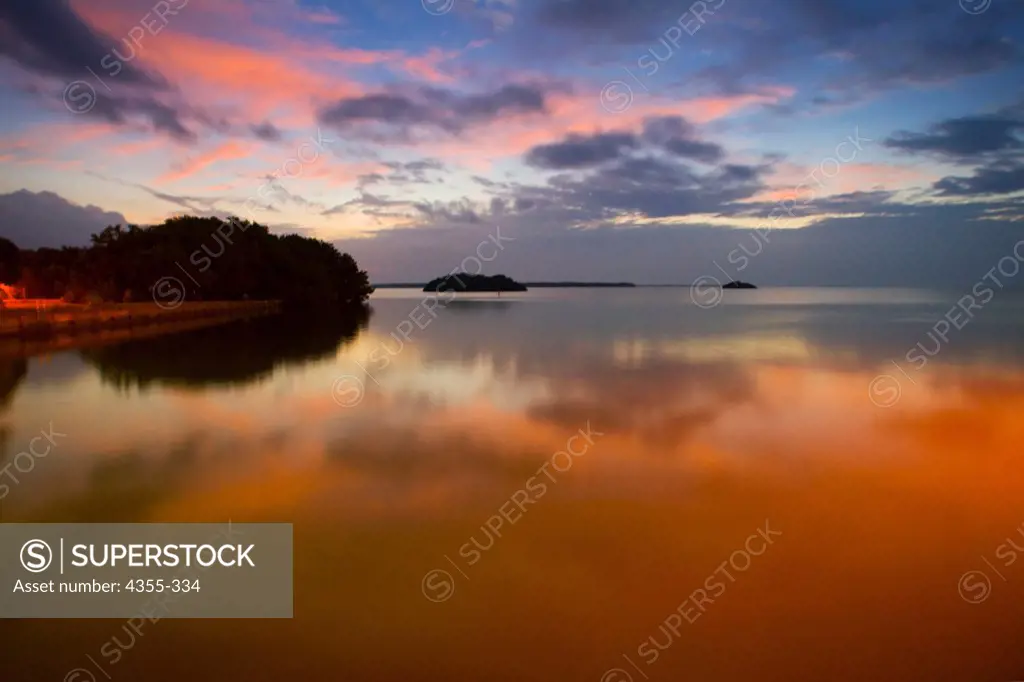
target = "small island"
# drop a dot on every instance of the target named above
(737, 284)
(469, 283)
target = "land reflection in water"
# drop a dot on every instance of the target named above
(705, 425)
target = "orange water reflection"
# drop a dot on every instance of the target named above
(703, 439)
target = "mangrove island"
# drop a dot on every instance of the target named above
(187, 271)
(464, 282)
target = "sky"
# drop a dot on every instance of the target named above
(784, 142)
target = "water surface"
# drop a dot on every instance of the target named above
(391, 444)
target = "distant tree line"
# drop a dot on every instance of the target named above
(214, 259)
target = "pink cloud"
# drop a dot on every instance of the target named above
(224, 152)
(850, 177)
(277, 74)
(425, 67)
(583, 114)
(867, 176)
(342, 174)
(42, 143)
(137, 147)
(324, 16)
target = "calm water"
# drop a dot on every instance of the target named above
(774, 468)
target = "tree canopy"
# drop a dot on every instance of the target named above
(10, 262)
(212, 259)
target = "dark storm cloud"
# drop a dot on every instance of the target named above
(1003, 177)
(435, 107)
(47, 37)
(758, 42)
(661, 188)
(645, 174)
(946, 57)
(521, 98)
(479, 179)
(266, 131)
(378, 107)
(671, 134)
(650, 186)
(579, 151)
(992, 143)
(450, 212)
(736, 174)
(967, 137)
(692, 149)
(409, 173)
(368, 179)
(678, 136)
(860, 203)
(930, 45)
(418, 166)
(413, 172)
(163, 118)
(620, 21)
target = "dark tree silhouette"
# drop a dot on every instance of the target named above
(216, 260)
(10, 262)
(466, 282)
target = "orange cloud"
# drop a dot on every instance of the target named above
(884, 176)
(224, 152)
(138, 147)
(339, 174)
(324, 16)
(851, 177)
(275, 76)
(260, 80)
(425, 67)
(257, 81)
(45, 143)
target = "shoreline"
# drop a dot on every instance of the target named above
(535, 285)
(26, 330)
